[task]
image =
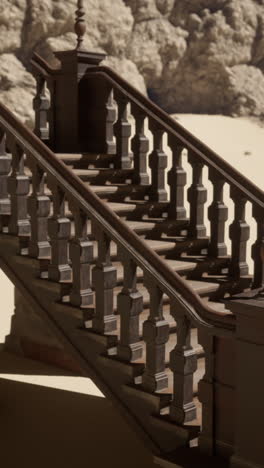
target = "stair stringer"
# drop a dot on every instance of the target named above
(90, 351)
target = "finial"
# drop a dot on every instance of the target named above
(80, 26)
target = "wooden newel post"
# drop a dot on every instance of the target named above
(73, 112)
(249, 382)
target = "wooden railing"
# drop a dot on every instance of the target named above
(118, 132)
(70, 257)
(242, 190)
(41, 218)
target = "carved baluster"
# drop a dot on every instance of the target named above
(176, 181)
(206, 393)
(217, 214)
(59, 229)
(51, 112)
(258, 248)
(158, 162)
(18, 187)
(104, 281)
(122, 130)
(39, 209)
(156, 335)
(110, 120)
(5, 165)
(197, 196)
(81, 255)
(41, 106)
(239, 235)
(183, 363)
(129, 306)
(140, 147)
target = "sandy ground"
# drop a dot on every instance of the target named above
(239, 141)
(35, 405)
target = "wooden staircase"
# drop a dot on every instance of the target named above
(104, 252)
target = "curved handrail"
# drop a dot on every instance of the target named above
(169, 281)
(189, 141)
(38, 63)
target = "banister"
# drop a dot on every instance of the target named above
(169, 281)
(189, 141)
(38, 63)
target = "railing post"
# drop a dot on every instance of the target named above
(59, 229)
(122, 131)
(39, 209)
(41, 106)
(156, 335)
(206, 393)
(104, 281)
(239, 235)
(217, 214)
(258, 248)
(81, 255)
(177, 181)
(183, 363)
(197, 196)
(18, 188)
(5, 165)
(129, 307)
(158, 161)
(140, 147)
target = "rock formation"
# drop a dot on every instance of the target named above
(188, 55)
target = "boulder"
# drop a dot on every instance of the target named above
(188, 55)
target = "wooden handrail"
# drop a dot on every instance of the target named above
(39, 64)
(186, 139)
(169, 281)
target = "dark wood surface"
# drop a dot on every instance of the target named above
(103, 245)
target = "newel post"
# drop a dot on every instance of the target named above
(73, 111)
(249, 434)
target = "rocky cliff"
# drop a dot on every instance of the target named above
(204, 56)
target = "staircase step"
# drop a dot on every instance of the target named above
(177, 265)
(200, 287)
(119, 191)
(87, 160)
(103, 175)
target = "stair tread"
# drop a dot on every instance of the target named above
(101, 171)
(199, 287)
(176, 265)
(121, 206)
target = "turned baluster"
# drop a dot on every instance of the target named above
(122, 130)
(41, 106)
(239, 235)
(51, 112)
(206, 393)
(183, 363)
(104, 280)
(158, 162)
(197, 196)
(110, 120)
(140, 147)
(59, 229)
(5, 165)
(39, 209)
(156, 335)
(217, 214)
(258, 248)
(81, 255)
(18, 188)
(177, 181)
(129, 307)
